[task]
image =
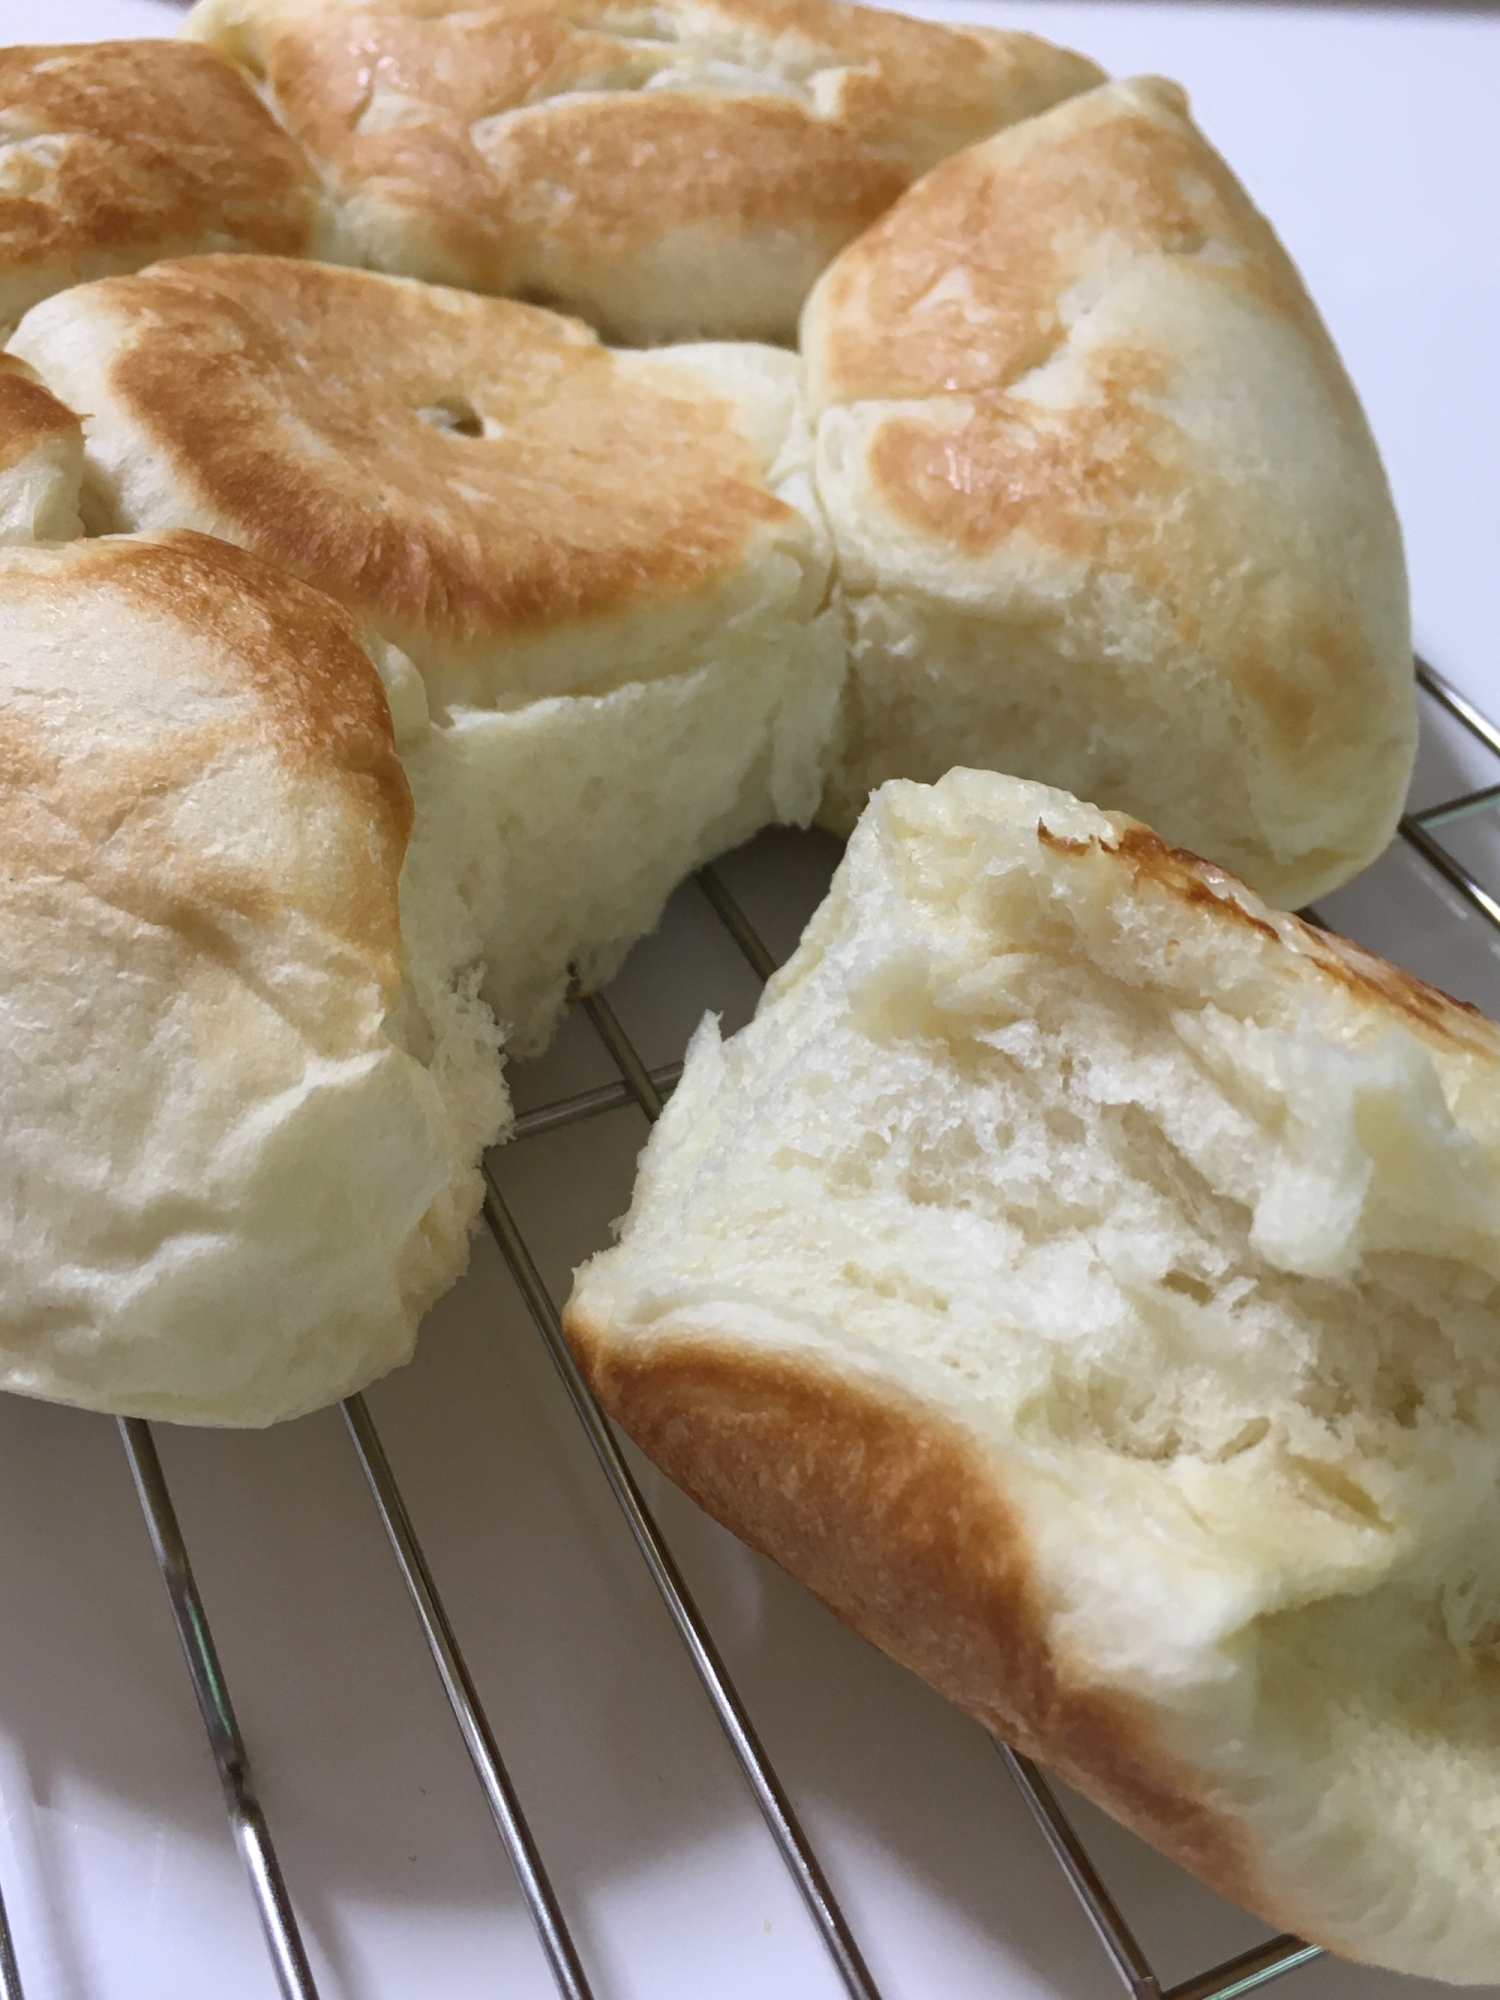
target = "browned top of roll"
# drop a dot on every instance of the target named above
(121, 152)
(1074, 376)
(258, 668)
(447, 465)
(977, 278)
(545, 146)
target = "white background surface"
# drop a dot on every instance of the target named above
(1371, 138)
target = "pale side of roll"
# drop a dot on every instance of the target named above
(242, 1103)
(117, 153)
(1087, 1280)
(677, 171)
(608, 569)
(1108, 513)
(41, 459)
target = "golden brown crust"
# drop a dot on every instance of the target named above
(539, 487)
(889, 1515)
(1093, 483)
(1020, 221)
(318, 693)
(1428, 1010)
(755, 164)
(317, 698)
(1020, 218)
(142, 149)
(504, 127)
(1200, 885)
(30, 415)
(1074, 362)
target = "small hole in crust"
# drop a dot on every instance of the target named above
(454, 414)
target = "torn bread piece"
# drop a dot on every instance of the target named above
(1108, 512)
(608, 569)
(113, 154)
(242, 1099)
(1087, 1280)
(676, 171)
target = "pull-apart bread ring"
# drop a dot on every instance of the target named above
(114, 154)
(1107, 511)
(242, 1102)
(679, 170)
(1087, 1280)
(607, 568)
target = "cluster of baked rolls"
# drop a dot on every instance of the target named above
(462, 469)
(1066, 479)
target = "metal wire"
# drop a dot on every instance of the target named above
(468, 1712)
(638, 1078)
(10, 1972)
(252, 1835)
(1452, 870)
(735, 922)
(648, 1088)
(1418, 828)
(1247, 1973)
(1459, 706)
(1236, 1976)
(1110, 1927)
(589, 1103)
(1455, 809)
(734, 1719)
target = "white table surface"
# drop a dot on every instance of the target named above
(1373, 141)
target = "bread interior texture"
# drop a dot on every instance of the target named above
(1182, 1222)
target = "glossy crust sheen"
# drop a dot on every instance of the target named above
(1084, 438)
(892, 1517)
(459, 471)
(557, 151)
(121, 152)
(1122, 175)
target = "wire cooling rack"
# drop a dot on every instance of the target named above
(1429, 830)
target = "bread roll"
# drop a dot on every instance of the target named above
(1087, 1280)
(1107, 511)
(677, 171)
(608, 569)
(117, 153)
(41, 459)
(242, 1104)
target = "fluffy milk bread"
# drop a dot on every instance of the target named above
(243, 1100)
(1087, 1280)
(677, 171)
(1107, 510)
(118, 153)
(608, 569)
